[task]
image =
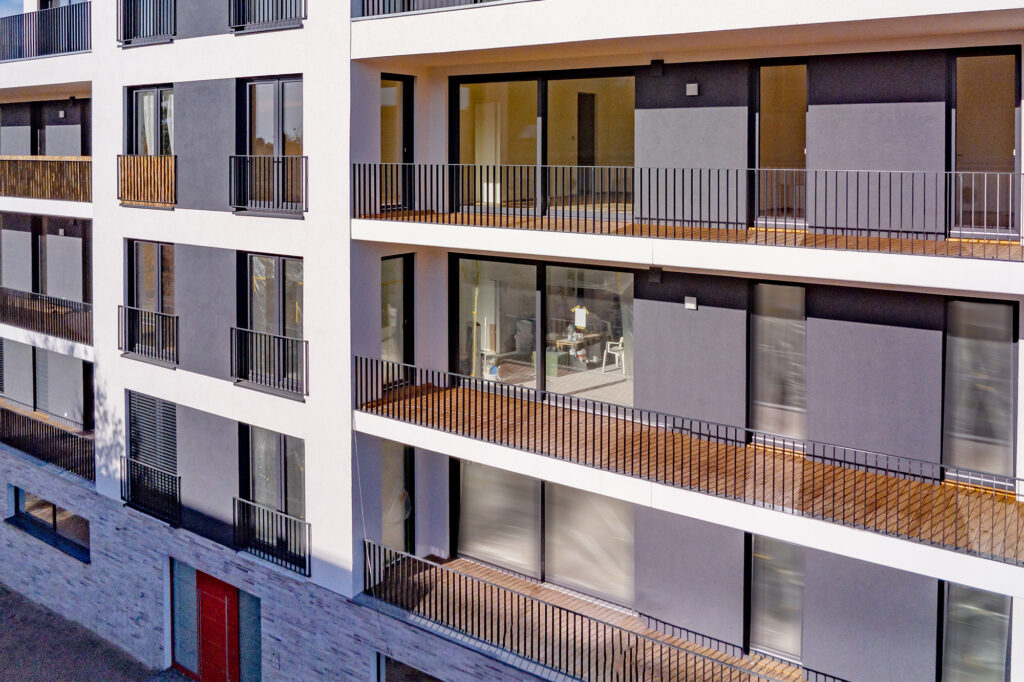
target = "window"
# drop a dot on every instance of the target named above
(275, 295)
(778, 357)
(52, 524)
(979, 411)
(390, 670)
(275, 117)
(777, 597)
(153, 121)
(396, 291)
(152, 432)
(277, 471)
(977, 633)
(397, 484)
(152, 281)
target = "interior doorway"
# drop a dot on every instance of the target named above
(985, 189)
(396, 140)
(782, 145)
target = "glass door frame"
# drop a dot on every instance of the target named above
(408, 106)
(279, 292)
(158, 92)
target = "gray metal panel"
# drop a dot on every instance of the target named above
(19, 380)
(874, 370)
(64, 386)
(204, 300)
(16, 129)
(690, 574)
(681, 353)
(431, 471)
(64, 136)
(204, 139)
(868, 622)
(198, 18)
(64, 267)
(16, 260)
(208, 465)
(720, 84)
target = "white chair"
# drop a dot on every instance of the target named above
(616, 349)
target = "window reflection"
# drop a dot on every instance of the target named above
(778, 345)
(977, 635)
(396, 501)
(499, 518)
(776, 597)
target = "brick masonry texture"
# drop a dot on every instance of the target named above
(308, 632)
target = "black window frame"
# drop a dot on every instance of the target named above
(48, 533)
(132, 115)
(279, 292)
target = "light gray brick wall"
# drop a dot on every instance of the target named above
(309, 633)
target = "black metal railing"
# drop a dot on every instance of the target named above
(146, 21)
(46, 33)
(963, 214)
(269, 360)
(270, 184)
(74, 452)
(151, 490)
(966, 511)
(375, 8)
(265, 15)
(147, 334)
(70, 320)
(559, 639)
(272, 536)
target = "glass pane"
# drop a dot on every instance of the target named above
(263, 313)
(391, 121)
(145, 120)
(778, 378)
(185, 617)
(589, 340)
(295, 477)
(396, 503)
(265, 466)
(73, 527)
(167, 122)
(979, 387)
(590, 121)
(145, 276)
(588, 541)
(292, 117)
(498, 321)
(263, 119)
(392, 309)
(167, 278)
(777, 597)
(499, 519)
(36, 508)
(293, 299)
(977, 634)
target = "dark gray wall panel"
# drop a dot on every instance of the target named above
(18, 378)
(208, 465)
(204, 300)
(16, 260)
(868, 622)
(690, 574)
(204, 139)
(201, 18)
(681, 353)
(877, 77)
(64, 267)
(65, 394)
(874, 370)
(720, 84)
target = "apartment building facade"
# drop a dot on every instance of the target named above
(516, 339)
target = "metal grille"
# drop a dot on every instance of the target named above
(272, 535)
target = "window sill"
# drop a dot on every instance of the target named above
(72, 549)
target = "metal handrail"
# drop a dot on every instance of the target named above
(46, 32)
(148, 334)
(70, 451)
(269, 184)
(151, 490)
(146, 21)
(60, 317)
(273, 536)
(270, 360)
(263, 15)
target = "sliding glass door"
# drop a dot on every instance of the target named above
(778, 361)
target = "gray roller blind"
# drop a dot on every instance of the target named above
(42, 381)
(152, 432)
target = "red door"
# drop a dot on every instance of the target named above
(218, 629)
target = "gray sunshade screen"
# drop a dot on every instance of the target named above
(152, 432)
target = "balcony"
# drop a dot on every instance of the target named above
(272, 536)
(964, 511)
(146, 334)
(46, 33)
(151, 490)
(967, 215)
(60, 178)
(48, 441)
(142, 22)
(248, 16)
(64, 319)
(270, 184)
(376, 8)
(566, 634)
(277, 363)
(148, 181)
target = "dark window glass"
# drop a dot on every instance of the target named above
(277, 466)
(54, 525)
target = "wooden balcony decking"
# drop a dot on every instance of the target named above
(982, 521)
(1004, 250)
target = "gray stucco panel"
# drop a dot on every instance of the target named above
(208, 466)
(64, 267)
(204, 139)
(205, 303)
